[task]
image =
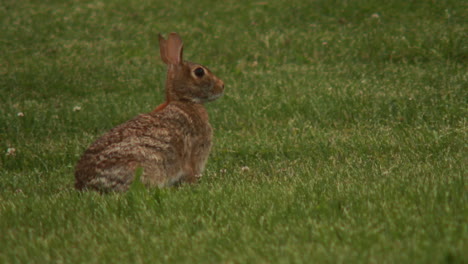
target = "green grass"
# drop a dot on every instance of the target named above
(351, 117)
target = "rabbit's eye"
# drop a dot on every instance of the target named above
(199, 72)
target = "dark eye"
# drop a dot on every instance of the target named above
(199, 72)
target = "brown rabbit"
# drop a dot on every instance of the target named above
(171, 143)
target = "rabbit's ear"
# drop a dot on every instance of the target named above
(163, 49)
(174, 49)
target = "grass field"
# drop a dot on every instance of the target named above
(341, 138)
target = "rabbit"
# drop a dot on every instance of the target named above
(171, 144)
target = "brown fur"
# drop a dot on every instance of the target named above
(171, 143)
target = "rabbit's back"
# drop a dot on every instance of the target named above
(171, 145)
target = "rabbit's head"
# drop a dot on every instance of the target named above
(187, 81)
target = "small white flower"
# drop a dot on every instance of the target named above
(77, 108)
(11, 152)
(223, 171)
(245, 169)
(20, 114)
(375, 15)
